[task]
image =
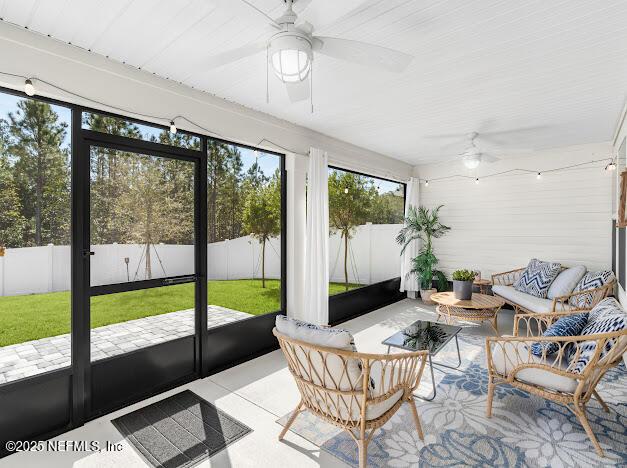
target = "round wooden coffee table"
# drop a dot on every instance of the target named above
(481, 307)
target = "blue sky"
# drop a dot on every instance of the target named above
(8, 103)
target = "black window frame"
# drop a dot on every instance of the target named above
(67, 388)
(363, 174)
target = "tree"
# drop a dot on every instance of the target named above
(109, 181)
(216, 170)
(12, 223)
(387, 208)
(41, 171)
(262, 216)
(350, 200)
(157, 214)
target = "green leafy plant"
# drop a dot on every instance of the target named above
(463, 275)
(424, 225)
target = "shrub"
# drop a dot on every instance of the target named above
(463, 275)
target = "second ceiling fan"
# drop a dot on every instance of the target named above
(291, 46)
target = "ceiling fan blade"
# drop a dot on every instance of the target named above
(245, 9)
(300, 6)
(305, 26)
(298, 91)
(531, 128)
(233, 55)
(362, 53)
(326, 12)
(489, 157)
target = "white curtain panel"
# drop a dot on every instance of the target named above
(412, 199)
(317, 242)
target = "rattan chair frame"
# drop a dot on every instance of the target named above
(322, 394)
(587, 380)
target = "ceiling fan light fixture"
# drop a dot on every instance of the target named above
(290, 56)
(472, 161)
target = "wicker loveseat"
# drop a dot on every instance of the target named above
(502, 286)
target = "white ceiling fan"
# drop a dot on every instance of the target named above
(472, 156)
(474, 153)
(291, 45)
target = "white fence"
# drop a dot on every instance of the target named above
(373, 256)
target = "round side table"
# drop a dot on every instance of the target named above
(481, 307)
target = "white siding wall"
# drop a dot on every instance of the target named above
(504, 221)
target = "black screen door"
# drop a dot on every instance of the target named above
(141, 321)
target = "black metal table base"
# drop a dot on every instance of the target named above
(439, 364)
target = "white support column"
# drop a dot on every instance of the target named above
(296, 167)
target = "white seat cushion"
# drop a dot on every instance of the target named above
(527, 301)
(511, 354)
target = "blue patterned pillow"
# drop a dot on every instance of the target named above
(571, 325)
(591, 280)
(537, 278)
(607, 316)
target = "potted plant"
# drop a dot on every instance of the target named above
(424, 225)
(462, 284)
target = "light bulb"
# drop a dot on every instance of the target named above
(426, 183)
(611, 166)
(345, 190)
(477, 180)
(29, 89)
(539, 176)
(172, 127)
(472, 161)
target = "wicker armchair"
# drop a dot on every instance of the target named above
(550, 376)
(560, 304)
(361, 404)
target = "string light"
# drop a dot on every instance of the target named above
(611, 166)
(345, 190)
(29, 88)
(172, 127)
(426, 183)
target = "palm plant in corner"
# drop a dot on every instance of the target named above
(424, 225)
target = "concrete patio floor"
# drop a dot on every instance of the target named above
(35, 357)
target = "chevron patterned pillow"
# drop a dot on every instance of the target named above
(537, 278)
(607, 316)
(591, 280)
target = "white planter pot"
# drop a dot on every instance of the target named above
(425, 295)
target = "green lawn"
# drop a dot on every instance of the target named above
(30, 317)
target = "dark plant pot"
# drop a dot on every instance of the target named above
(462, 290)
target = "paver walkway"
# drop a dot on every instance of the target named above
(34, 357)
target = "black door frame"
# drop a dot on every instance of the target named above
(84, 379)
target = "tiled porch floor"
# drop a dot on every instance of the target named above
(34, 357)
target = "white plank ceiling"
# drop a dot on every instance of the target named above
(556, 70)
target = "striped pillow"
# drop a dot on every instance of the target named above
(607, 316)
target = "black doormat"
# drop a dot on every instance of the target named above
(180, 431)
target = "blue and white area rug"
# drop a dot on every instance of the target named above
(524, 430)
